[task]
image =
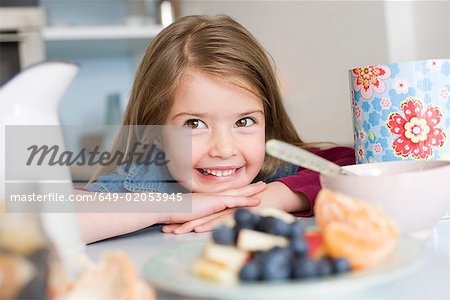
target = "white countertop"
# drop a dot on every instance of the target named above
(430, 281)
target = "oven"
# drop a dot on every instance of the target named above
(21, 43)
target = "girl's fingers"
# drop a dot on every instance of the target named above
(169, 228)
(189, 226)
(210, 225)
(225, 202)
(233, 202)
(247, 190)
(204, 205)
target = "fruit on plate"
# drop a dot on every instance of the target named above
(220, 262)
(333, 207)
(363, 234)
(214, 271)
(314, 239)
(251, 240)
(270, 245)
(350, 235)
(230, 257)
(114, 278)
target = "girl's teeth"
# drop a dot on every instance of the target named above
(219, 173)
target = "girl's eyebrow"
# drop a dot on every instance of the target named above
(202, 115)
(258, 111)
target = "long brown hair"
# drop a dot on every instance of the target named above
(218, 46)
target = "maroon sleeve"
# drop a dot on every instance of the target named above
(307, 181)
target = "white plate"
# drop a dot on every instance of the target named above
(171, 270)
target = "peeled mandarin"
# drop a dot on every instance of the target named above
(373, 222)
(332, 207)
(359, 232)
(341, 240)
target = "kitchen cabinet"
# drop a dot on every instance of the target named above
(107, 38)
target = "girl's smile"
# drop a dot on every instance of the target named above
(227, 127)
(219, 173)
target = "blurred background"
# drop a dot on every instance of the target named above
(313, 43)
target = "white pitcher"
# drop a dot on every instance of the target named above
(32, 98)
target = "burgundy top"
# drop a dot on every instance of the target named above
(307, 181)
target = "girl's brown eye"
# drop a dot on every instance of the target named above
(245, 122)
(195, 124)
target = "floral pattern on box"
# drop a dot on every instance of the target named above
(417, 132)
(370, 79)
(401, 111)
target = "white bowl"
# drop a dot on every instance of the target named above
(414, 193)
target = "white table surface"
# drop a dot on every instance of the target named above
(431, 281)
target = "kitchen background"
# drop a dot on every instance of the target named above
(313, 43)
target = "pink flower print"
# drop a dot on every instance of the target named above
(358, 112)
(362, 135)
(443, 94)
(417, 132)
(385, 103)
(434, 65)
(361, 152)
(401, 86)
(377, 148)
(370, 79)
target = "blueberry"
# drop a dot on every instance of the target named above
(259, 256)
(324, 267)
(244, 218)
(276, 265)
(243, 215)
(286, 252)
(299, 246)
(256, 219)
(250, 271)
(273, 226)
(296, 229)
(340, 265)
(264, 224)
(224, 235)
(304, 267)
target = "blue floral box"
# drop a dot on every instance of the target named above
(401, 111)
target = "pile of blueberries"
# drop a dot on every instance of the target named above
(278, 263)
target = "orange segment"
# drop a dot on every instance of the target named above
(333, 207)
(341, 240)
(373, 222)
(363, 234)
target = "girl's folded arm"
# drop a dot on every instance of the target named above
(96, 226)
(99, 226)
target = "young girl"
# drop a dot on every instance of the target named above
(211, 76)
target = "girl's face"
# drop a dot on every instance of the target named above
(226, 123)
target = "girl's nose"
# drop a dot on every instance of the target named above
(222, 144)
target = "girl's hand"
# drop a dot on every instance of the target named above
(201, 224)
(240, 195)
(276, 195)
(204, 204)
